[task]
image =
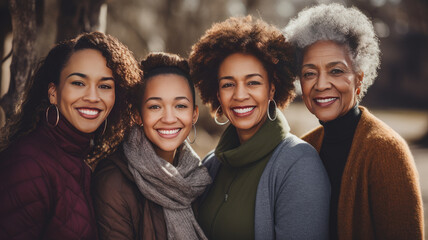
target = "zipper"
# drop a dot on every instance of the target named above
(226, 196)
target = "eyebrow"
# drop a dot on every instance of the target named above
(159, 98)
(246, 76)
(85, 76)
(331, 64)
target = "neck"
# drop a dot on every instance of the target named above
(245, 134)
(165, 155)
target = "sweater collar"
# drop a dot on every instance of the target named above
(343, 127)
(230, 152)
(68, 138)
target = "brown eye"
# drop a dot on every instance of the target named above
(226, 85)
(78, 83)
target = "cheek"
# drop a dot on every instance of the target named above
(306, 93)
(186, 118)
(110, 99)
(148, 118)
(224, 96)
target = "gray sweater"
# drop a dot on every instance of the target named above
(293, 194)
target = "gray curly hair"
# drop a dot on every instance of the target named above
(348, 26)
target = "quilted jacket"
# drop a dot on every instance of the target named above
(45, 185)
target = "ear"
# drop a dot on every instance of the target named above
(52, 94)
(360, 78)
(137, 118)
(195, 114)
(271, 91)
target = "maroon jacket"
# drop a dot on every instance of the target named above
(45, 186)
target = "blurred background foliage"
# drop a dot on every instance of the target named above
(32, 27)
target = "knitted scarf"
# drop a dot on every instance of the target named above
(173, 188)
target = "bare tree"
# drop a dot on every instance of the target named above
(23, 15)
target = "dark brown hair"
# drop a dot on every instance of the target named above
(248, 36)
(126, 74)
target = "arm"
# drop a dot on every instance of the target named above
(395, 194)
(303, 199)
(25, 198)
(114, 204)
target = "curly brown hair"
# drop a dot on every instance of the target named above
(248, 36)
(126, 75)
(158, 63)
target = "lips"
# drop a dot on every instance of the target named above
(243, 111)
(89, 113)
(325, 101)
(168, 133)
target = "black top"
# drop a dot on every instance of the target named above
(338, 135)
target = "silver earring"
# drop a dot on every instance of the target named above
(215, 118)
(194, 130)
(57, 116)
(268, 110)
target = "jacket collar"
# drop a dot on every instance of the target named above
(68, 138)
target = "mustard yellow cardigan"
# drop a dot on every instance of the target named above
(380, 196)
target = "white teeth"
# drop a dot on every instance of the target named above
(325, 100)
(243, 110)
(88, 111)
(169, 132)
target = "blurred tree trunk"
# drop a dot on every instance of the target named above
(77, 16)
(23, 15)
(5, 28)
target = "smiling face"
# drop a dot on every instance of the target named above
(329, 83)
(86, 91)
(167, 113)
(244, 91)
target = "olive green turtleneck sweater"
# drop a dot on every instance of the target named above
(228, 210)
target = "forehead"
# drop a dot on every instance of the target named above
(86, 60)
(241, 64)
(325, 52)
(167, 86)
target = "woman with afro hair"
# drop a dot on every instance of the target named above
(268, 184)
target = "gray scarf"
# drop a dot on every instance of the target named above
(173, 188)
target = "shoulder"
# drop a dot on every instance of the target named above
(378, 136)
(26, 159)
(314, 136)
(109, 179)
(293, 149)
(295, 157)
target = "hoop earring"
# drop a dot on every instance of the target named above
(105, 127)
(215, 118)
(268, 112)
(194, 130)
(47, 116)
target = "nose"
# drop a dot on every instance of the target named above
(169, 116)
(323, 82)
(91, 94)
(240, 93)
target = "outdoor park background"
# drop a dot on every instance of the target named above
(399, 96)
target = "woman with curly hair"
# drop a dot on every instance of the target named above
(375, 187)
(74, 112)
(145, 189)
(268, 184)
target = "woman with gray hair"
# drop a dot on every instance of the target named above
(375, 186)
